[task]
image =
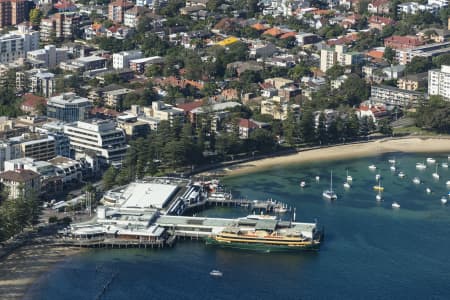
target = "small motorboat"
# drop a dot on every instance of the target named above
(444, 165)
(444, 200)
(377, 177)
(216, 273)
(448, 182)
(428, 190)
(378, 197)
(347, 185)
(395, 205)
(392, 161)
(372, 167)
(392, 168)
(317, 178)
(431, 160)
(378, 188)
(421, 166)
(436, 174)
(302, 184)
(416, 180)
(401, 174)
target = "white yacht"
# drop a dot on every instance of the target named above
(317, 178)
(349, 177)
(416, 180)
(302, 184)
(330, 194)
(395, 205)
(448, 182)
(444, 165)
(378, 197)
(216, 273)
(431, 160)
(401, 174)
(377, 177)
(392, 161)
(372, 167)
(444, 200)
(392, 168)
(347, 185)
(420, 166)
(428, 190)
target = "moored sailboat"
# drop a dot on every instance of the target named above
(330, 194)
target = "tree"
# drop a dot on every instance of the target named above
(335, 71)
(384, 127)
(307, 126)
(109, 178)
(418, 65)
(443, 59)
(35, 17)
(299, 71)
(354, 90)
(389, 55)
(321, 130)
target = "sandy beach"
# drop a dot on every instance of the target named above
(24, 266)
(407, 145)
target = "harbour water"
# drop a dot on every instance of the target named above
(370, 250)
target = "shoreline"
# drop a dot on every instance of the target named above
(26, 265)
(347, 151)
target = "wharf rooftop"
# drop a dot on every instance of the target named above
(140, 214)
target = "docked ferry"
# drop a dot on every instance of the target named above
(269, 236)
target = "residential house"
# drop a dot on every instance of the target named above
(379, 7)
(31, 103)
(412, 82)
(21, 182)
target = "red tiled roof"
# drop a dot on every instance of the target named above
(31, 100)
(288, 34)
(19, 175)
(190, 105)
(104, 111)
(246, 123)
(259, 26)
(273, 32)
(380, 20)
(64, 5)
(375, 54)
(404, 40)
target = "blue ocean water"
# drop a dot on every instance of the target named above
(371, 251)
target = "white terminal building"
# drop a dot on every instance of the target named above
(99, 136)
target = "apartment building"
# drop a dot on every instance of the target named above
(36, 81)
(12, 12)
(37, 146)
(278, 108)
(394, 96)
(338, 56)
(166, 112)
(429, 50)
(439, 82)
(48, 57)
(68, 107)
(114, 99)
(17, 44)
(116, 10)
(122, 59)
(99, 136)
(59, 25)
